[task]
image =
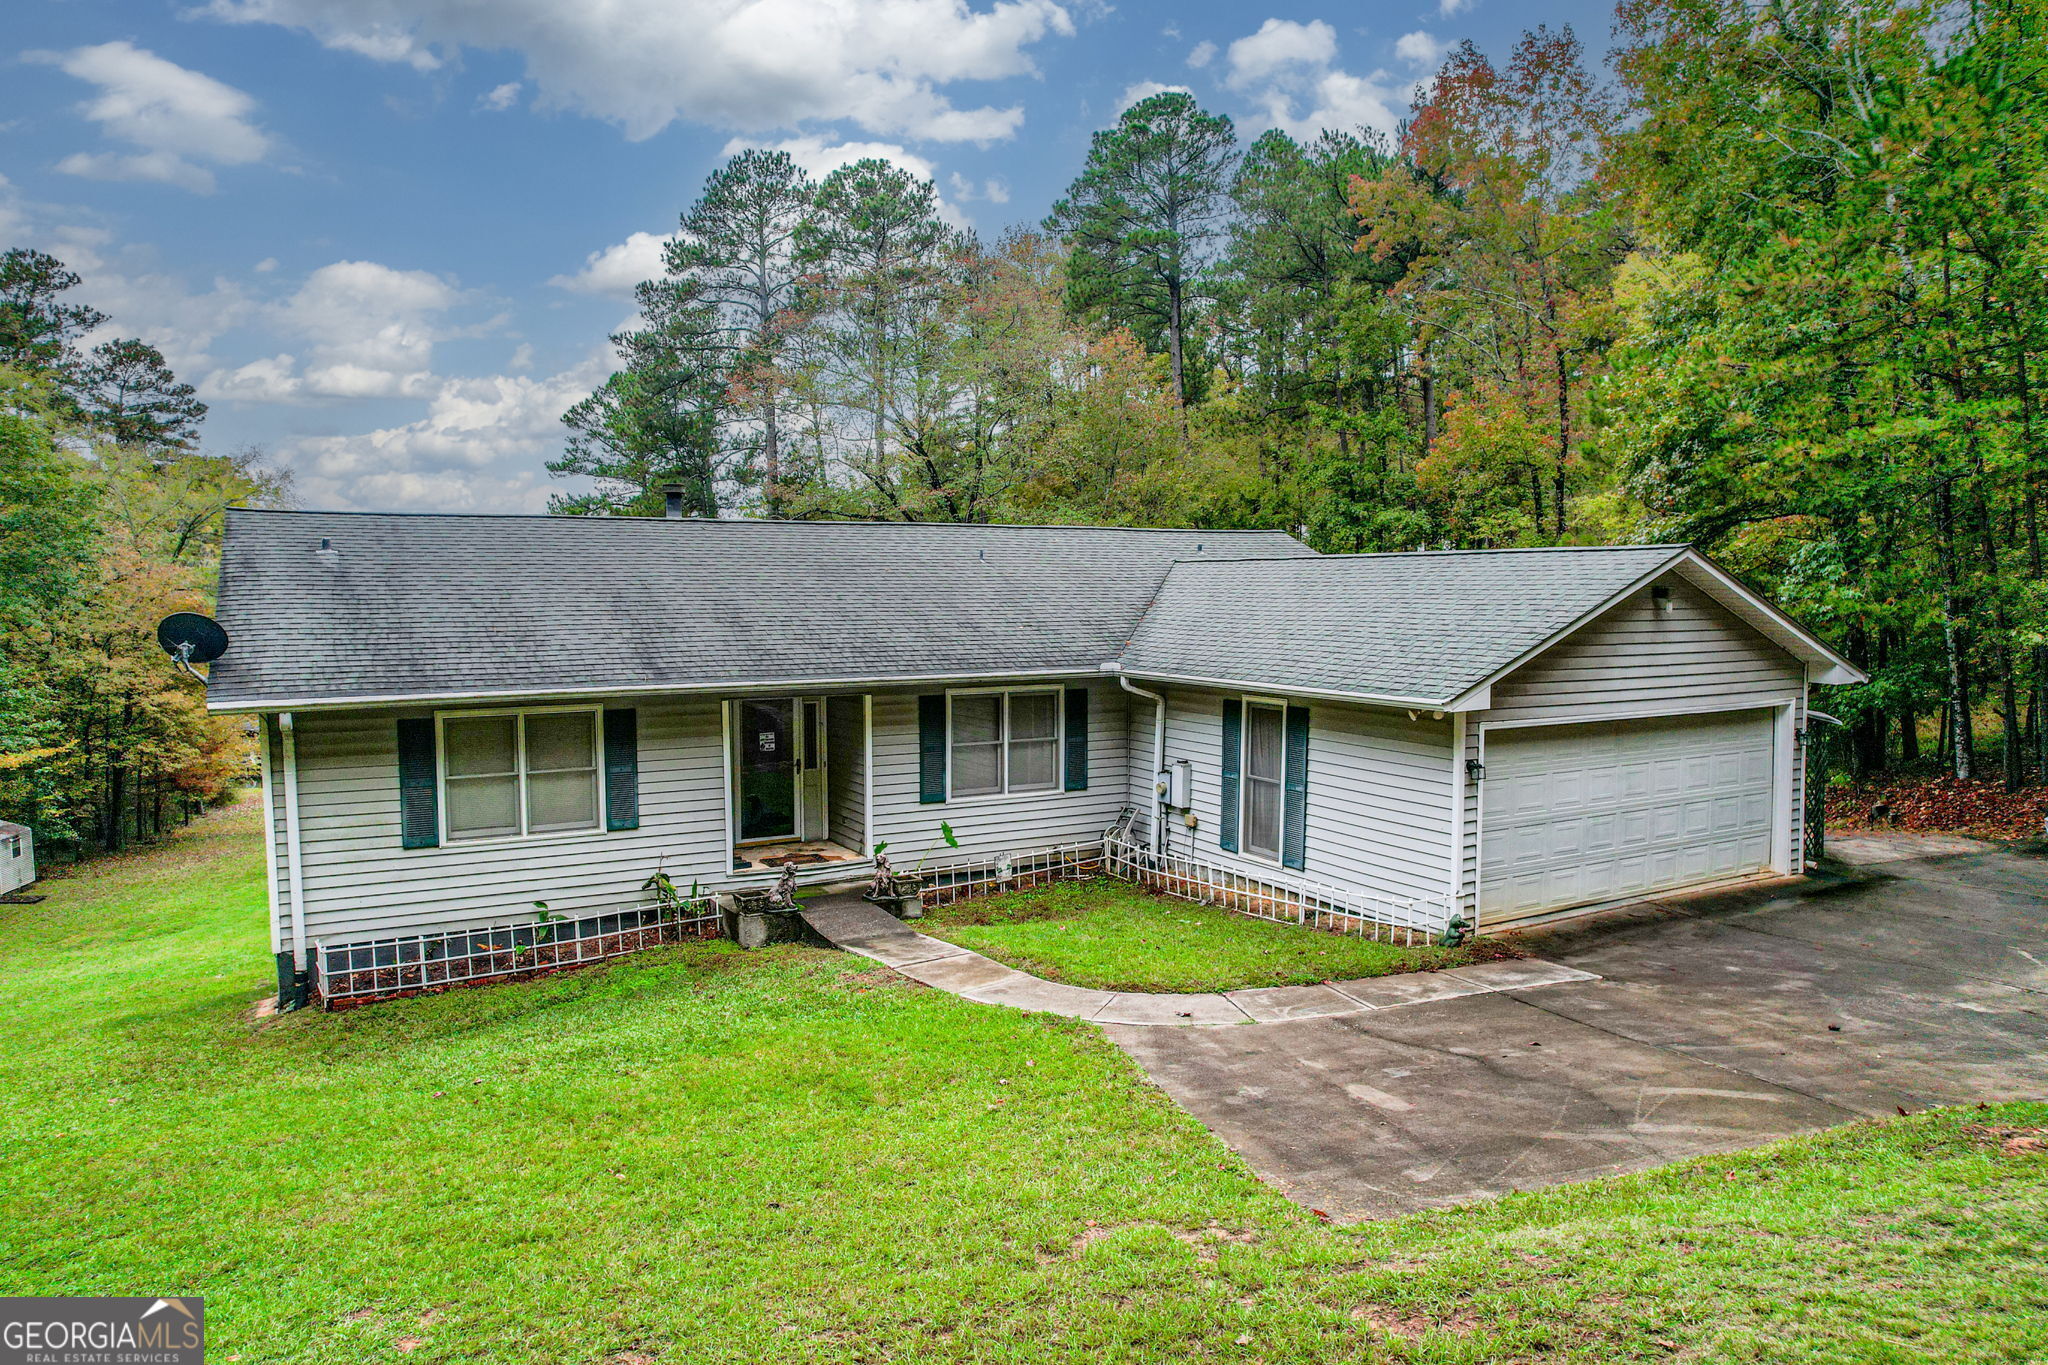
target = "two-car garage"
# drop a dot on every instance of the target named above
(1578, 814)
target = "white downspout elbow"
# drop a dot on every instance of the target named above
(1158, 757)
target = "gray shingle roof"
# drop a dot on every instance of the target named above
(439, 606)
(1421, 627)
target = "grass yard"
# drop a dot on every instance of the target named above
(700, 1155)
(1115, 937)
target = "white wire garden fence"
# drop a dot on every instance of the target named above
(351, 973)
(1332, 909)
(957, 881)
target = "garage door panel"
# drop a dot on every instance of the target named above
(1573, 814)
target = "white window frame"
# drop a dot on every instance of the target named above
(1059, 742)
(441, 718)
(1244, 781)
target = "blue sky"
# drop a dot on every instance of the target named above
(387, 238)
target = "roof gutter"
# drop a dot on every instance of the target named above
(784, 686)
(1291, 690)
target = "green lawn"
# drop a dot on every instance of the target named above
(699, 1155)
(1115, 937)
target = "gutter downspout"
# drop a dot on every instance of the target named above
(294, 871)
(1158, 757)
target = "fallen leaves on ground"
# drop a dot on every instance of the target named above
(1984, 809)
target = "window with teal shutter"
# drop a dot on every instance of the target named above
(622, 769)
(931, 748)
(1077, 739)
(1294, 821)
(419, 806)
(1233, 747)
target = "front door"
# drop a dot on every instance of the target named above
(811, 785)
(766, 740)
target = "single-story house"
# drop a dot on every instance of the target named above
(463, 716)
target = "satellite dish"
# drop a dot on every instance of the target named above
(189, 637)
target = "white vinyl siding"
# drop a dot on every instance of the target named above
(1379, 793)
(1638, 661)
(996, 824)
(846, 741)
(359, 882)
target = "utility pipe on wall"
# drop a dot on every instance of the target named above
(1158, 758)
(294, 876)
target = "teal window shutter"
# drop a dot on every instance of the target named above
(1233, 750)
(622, 769)
(1077, 739)
(419, 803)
(931, 748)
(1294, 808)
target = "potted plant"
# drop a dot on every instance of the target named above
(902, 893)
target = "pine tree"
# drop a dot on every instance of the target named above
(737, 252)
(1142, 219)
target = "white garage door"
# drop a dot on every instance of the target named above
(1575, 814)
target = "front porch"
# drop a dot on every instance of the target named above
(804, 853)
(798, 787)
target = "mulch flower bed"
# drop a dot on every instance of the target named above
(1985, 810)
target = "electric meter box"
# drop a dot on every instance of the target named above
(1177, 784)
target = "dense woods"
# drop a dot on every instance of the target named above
(1768, 277)
(110, 518)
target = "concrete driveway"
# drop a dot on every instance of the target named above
(1717, 1022)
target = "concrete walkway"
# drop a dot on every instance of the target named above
(857, 926)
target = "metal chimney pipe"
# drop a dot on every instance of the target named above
(672, 493)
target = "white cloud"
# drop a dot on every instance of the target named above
(1280, 48)
(995, 191)
(273, 379)
(479, 448)
(266, 265)
(1420, 48)
(359, 330)
(617, 269)
(500, 97)
(1145, 90)
(751, 65)
(1290, 72)
(1449, 8)
(818, 157)
(178, 118)
(1204, 53)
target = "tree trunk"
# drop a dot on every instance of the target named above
(2012, 747)
(1173, 346)
(1564, 440)
(2041, 714)
(1962, 740)
(771, 461)
(1909, 736)
(1428, 403)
